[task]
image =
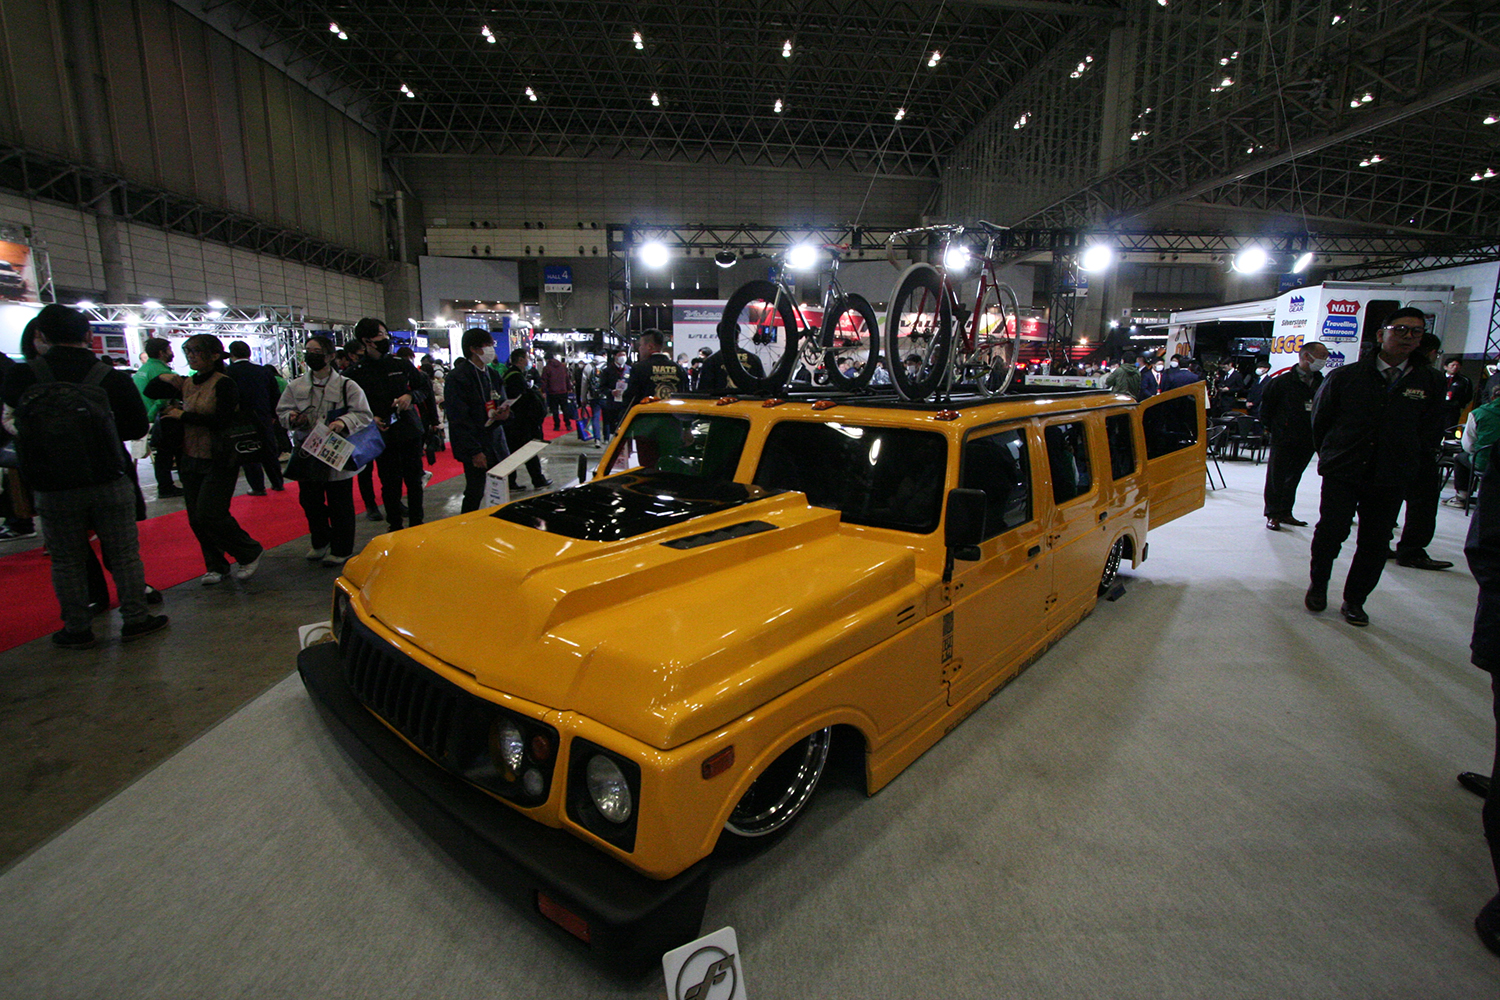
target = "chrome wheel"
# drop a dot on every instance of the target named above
(778, 795)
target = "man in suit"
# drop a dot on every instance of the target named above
(1286, 414)
(1372, 423)
(258, 399)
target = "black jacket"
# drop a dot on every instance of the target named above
(1367, 430)
(1285, 408)
(257, 388)
(527, 408)
(385, 378)
(465, 392)
(1482, 549)
(657, 375)
(72, 364)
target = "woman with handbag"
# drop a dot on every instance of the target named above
(322, 395)
(209, 464)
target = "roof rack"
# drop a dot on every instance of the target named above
(885, 397)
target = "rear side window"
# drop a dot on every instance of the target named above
(1170, 426)
(999, 465)
(1068, 457)
(1121, 445)
(688, 444)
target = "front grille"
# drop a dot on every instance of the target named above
(448, 724)
(420, 705)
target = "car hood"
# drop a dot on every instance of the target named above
(664, 634)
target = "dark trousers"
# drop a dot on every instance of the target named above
(1492, 802)
(268, 465)
(366, 479)
(401, 463)
(613, 413)
(330, 515)
(1463, 472)
(163, 458)
(557, 405)
(207, 487)
(1422, 495)
(1377, 505)
(1284, 470)
(109, 511)
(473, 487)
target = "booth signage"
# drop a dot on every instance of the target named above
(706, 969)
(557, 278)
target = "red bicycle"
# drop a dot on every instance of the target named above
(924, 351)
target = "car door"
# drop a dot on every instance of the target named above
(1174, 436)
(1000, 598)
(1076, 535)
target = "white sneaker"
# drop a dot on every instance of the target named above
(244, 571)
(426, 478)
(210, 578)
(334, 560)
(313, 555)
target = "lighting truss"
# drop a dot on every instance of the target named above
(36, 175)
(199, 319)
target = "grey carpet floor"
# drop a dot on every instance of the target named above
(1201, 792)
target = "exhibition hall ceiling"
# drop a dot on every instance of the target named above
(689, 80)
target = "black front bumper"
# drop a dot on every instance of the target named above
(632, 920)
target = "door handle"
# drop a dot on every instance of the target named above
(1033, 551)
(1103, 514)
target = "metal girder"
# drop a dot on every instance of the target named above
(1390, 267)
(36, 175)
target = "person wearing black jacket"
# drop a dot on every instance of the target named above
(1286, 414)
(393, 388)
(712, 378)
(258, 396)
(1482, 549)
(474, 398)
(612, 382)
(655, 374)
(528, 408)
(1373, 423)
(106, 507)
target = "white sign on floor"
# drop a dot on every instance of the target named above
(497, 480)
(706, 969)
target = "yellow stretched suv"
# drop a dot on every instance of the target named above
(584, 694)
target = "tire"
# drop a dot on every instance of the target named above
(865, 352)
(1112, 566)
(779, 794)
(927, 309)
(743, 329)
(996, 356)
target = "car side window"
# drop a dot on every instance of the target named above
(1170, 426)
(1121, 445)
(1068, 458)
(999, 465)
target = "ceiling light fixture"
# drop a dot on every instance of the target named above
(407, 91)
(1303, 262)
(802, 257)
(85, 304)
(1096, 258)
(778, 105)
(900, 113)
(489, 35)
(655, 100)
(639, 42)
(1251, 260)
(1023, 121)
(654, 254)
(1337, 18)
(1489, 172)
(725, 258)
(1491, 119)
(786, 49)
(531, 93)
(933, 59)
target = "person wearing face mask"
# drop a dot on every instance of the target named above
(394, 389)
(1178, 374)
(1150, 375)
(353, 352)
(1286, 414)
(1258, 387)
(475, 403)
(612, 382)
(210, 469)
(326, 494)
(528, 408)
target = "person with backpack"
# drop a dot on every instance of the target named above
(209, 466)
(72, 416)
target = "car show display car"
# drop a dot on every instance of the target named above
(587, 695)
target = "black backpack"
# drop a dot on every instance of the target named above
(65, 432)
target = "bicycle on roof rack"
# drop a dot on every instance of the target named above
(763, 326)
(981, 349)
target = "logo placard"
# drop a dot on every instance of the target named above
(706, 969)
(1343, 307)
(1297, 304)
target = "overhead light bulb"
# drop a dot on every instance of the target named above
(530, 93)
(957, 258)
(1303, 262)
(639, 42)
(1366, 97)
(802, 257)
(786, 49)
(85, 304)
(1251, 260)
(215, 304)
(1097, 258)
(151, 304)
(1337, 18)
(333, 27)
(934, 58)
(778, 105)
(1491, 119)
(900, 113)
(655, 100)
(654, 254)
(725, 258)
(344, 37)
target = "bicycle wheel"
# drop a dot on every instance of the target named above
(758, 331)
(997, 343)
(851, 340)
(920, 323)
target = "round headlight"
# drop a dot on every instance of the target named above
(531, 782)
(608, 789)
(507, 746)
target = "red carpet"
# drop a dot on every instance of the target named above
(168, 549)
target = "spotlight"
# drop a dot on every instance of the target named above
(1303, 262)
(1097, 258)
(802, 257)
(957, 259)
(654, 254)
(215, 304)
(1251, 260)
(725, 258)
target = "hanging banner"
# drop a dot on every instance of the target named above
(557, 278)
(695, 324)
(17, 274)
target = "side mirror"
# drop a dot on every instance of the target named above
(963, 524)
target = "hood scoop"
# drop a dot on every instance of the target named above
(632, 504)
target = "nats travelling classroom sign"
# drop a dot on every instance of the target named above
(1336, 313)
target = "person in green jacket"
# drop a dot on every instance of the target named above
(1481, 430)
(163, 446)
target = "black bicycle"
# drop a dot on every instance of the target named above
(763, 326)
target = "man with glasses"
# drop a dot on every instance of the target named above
(1373, 422)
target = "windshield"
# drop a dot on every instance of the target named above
(689, 444)
(878, 476)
